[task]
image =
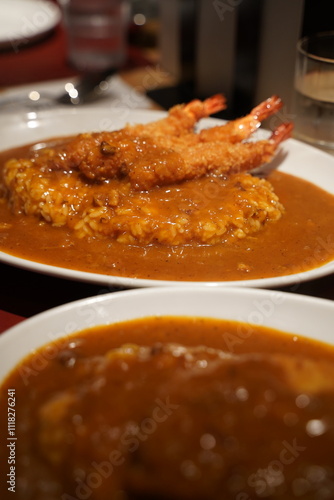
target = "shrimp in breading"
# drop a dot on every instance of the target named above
(242, 128)
(104, 155)
(168, 150)
(233, 131)
(181, 118)
(218, 158)
(149, 163)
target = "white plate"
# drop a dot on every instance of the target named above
(299, 159)
(22, 21)
(295, 314)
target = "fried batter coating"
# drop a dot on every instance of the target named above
(168, 151)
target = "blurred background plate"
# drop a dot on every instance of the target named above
(25, 21)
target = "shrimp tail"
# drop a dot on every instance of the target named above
(214, 104)
(281, 133)
(266, 108)
(197, 109)
(181, 118)
(242, 128)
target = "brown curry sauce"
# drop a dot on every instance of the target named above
(302, 239)
(157, 430)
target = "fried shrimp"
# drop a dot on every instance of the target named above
(181, 118)
(218, 158)
(104, 155)
(149, 163)
(242, 128)
(169, 150)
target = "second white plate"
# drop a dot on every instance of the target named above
(290, 313)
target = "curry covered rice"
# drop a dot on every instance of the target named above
(159, 182)
(173, 215)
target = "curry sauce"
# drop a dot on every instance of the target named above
(301, 239)
(173, 408)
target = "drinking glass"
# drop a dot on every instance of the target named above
(96, 33)
(314, 91)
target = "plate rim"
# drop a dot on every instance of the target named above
(127, 282)
(146, 293)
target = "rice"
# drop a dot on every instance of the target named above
(209, 210)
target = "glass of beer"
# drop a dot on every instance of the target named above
(314, 91)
